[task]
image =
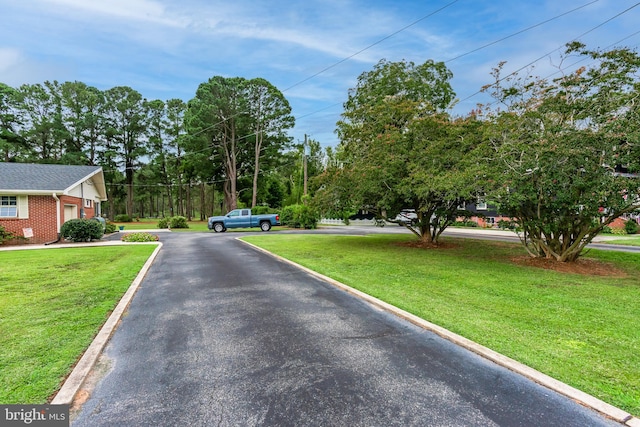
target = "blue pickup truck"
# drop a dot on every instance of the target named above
(242, 218)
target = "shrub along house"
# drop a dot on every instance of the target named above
(36, 199)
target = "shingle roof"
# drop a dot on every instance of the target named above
(42, 177)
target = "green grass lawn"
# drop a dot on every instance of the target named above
(633, 240)
(52, 303)
(582, 330)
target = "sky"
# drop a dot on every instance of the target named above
(313, 50)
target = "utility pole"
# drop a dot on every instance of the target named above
(304, 164)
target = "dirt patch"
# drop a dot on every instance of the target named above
(584, 266)
(418, 244)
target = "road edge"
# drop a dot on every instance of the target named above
(76, 379)
(581, 397)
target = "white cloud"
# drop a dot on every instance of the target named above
(17, 69)
(306, 39)
(137, 10)
(9, 58)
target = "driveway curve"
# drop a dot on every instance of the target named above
(221, 334)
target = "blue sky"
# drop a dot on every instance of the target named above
(164, 48)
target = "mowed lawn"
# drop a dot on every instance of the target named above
(52, 303)
(581, 329)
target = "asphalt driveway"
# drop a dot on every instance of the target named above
(221, 334)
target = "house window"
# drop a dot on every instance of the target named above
(8, 206)
(481, 205)
(87, 203)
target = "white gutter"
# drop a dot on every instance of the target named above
(55, 196)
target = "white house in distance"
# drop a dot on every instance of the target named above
(36, 199)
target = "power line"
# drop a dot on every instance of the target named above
(388, 37)
(344, 60)
(454, 58)
(372, 45)
(459, 56)
(556, 49)
(520, 32)
(577, 62)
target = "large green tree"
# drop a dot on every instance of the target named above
(270, 118)
(171, 155)
(42, 127)
(234, 125)
(126, 142)
(215, 121)
(560, 147)
(333, 192)
(83, 119)
(12, 145)
(400, 149)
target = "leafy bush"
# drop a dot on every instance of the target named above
(620, 231)
(122, 218)
(5, 235)
(299, 216)
(506, 225)
(178, 222)
(467, 223)
(140, 237)
(173, 222)
(631, 226)
(262, 210)
(308, 217)
(613, 230)
(286, 216)
(110, 228)
(81, 230)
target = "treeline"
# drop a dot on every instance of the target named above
(226, 146)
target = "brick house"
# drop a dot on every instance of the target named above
(36, 199)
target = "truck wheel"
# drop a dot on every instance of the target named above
(265, 226)
(218, 227)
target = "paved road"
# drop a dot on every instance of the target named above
(220, 334)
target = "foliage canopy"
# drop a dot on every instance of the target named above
(400, 148)
(564, 150)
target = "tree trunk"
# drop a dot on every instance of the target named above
(256, 173)
(231, 196)
(129, 177)
(202, 202)
(188, 213)
(213, 200)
